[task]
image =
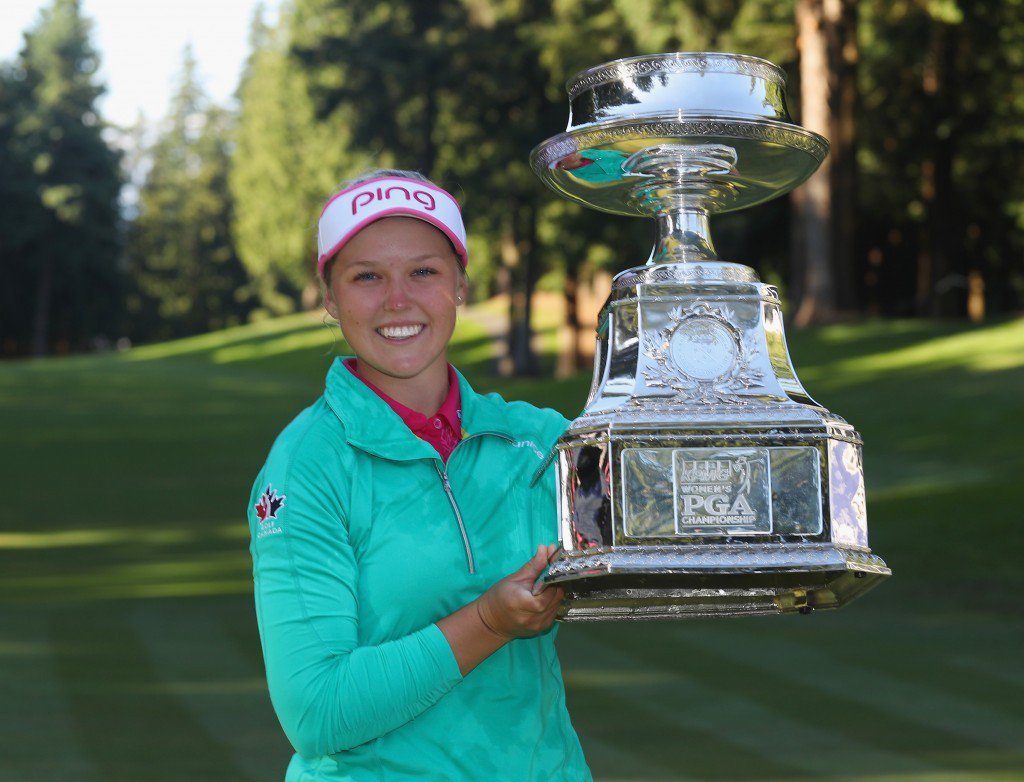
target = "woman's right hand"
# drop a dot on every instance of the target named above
(510, 609)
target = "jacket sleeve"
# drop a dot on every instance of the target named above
(330, 692)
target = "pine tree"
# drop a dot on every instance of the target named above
(62, 199)
(286, 162)
(188, 275)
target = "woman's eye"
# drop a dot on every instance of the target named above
(364, 276)
(425, 271)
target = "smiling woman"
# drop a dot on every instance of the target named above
(397, 309)
(388, 518)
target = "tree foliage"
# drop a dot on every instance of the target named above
(181, 253)
(285, 161)
(59, 185)
(922, 101)
(940, 154)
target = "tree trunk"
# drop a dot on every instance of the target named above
(813, 208)
(518, 242)
(843, 52)
(525, 357)
(945, 222)
(429, 155)
(506, 283)
(41, 317)
(569, 358)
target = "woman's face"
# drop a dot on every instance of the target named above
(393, 289)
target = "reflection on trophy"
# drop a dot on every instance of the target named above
(701, 478)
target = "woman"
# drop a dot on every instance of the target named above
(401, 633)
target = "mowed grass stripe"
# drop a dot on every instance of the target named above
(980, 660)
(222, 690)
(129, 728)
(38, 736)
(870, 688)
(796, 695)
(696, 704)
(643, 739)
(184, 574)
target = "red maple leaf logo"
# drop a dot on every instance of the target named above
(270, 503)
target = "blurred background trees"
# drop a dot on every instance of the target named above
(187, 276)
(59, 182)
(919, 211)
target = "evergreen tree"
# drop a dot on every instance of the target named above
(189, 278)
(59, 192)
(941, 151)
(286, 161)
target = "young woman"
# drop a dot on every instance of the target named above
(398, 529)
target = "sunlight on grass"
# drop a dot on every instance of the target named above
(990, 349)
(15, 649)
(324, 337)
(118, 535)
(203, 343)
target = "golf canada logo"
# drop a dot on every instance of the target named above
(266, 510)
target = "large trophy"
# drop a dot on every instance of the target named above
(701, 478)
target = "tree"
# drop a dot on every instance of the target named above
(445, 88)
(285, 162)
(940, 151)
(64, 193)
(181, 253)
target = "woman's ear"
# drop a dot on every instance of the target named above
(461, 290)
(330, 304)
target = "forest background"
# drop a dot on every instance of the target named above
(115, 236)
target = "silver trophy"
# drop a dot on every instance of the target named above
(701, 478)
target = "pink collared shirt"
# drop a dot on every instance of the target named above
(443, 430)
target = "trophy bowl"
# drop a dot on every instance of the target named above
(701, 478)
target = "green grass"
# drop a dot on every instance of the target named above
(128, 648)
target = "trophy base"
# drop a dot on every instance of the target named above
(676, 582)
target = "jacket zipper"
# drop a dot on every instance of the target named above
(446, 484)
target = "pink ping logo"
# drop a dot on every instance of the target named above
(367, 197)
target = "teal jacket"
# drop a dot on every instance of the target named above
(362, 538)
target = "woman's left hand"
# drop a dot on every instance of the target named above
(508, 610)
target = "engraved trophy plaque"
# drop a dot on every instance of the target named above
(701, 478)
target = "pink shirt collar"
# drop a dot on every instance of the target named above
(443, 430)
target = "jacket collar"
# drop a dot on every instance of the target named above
(372, 426)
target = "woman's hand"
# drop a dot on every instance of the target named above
(510, 609)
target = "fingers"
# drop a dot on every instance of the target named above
(534, 566)
(511, 611)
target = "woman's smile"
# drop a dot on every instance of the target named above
(397, 333)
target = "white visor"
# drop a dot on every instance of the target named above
(351, 210)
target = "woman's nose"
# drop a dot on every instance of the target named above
(396, 297)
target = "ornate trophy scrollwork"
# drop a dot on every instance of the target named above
(700, 478)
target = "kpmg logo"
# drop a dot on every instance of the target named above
(706, 470)
(367, 197)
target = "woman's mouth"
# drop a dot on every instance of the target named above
(400, 332)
